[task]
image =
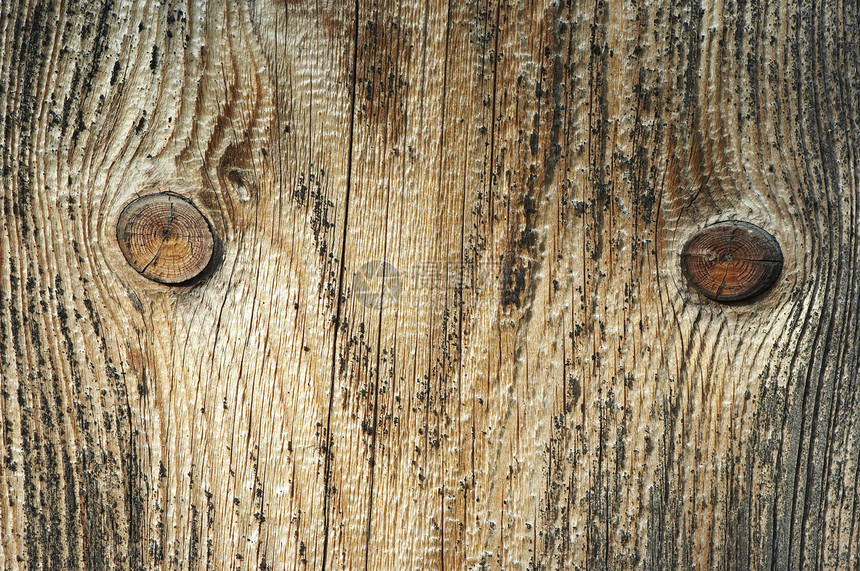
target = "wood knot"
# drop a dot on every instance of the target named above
(731, 261)
(165, 238)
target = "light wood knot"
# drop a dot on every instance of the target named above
(731, 261)
(165, 238)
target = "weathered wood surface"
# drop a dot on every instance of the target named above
(536, 388)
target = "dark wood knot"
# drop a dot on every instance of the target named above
(731, 261)
(165, 238)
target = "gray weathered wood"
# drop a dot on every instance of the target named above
(448, 328)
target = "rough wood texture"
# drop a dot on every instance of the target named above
(534, 386)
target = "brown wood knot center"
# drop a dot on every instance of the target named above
(731, 261)
(165, 238)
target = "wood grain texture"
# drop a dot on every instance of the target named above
(448, 327)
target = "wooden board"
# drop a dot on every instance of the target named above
(448, 327)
